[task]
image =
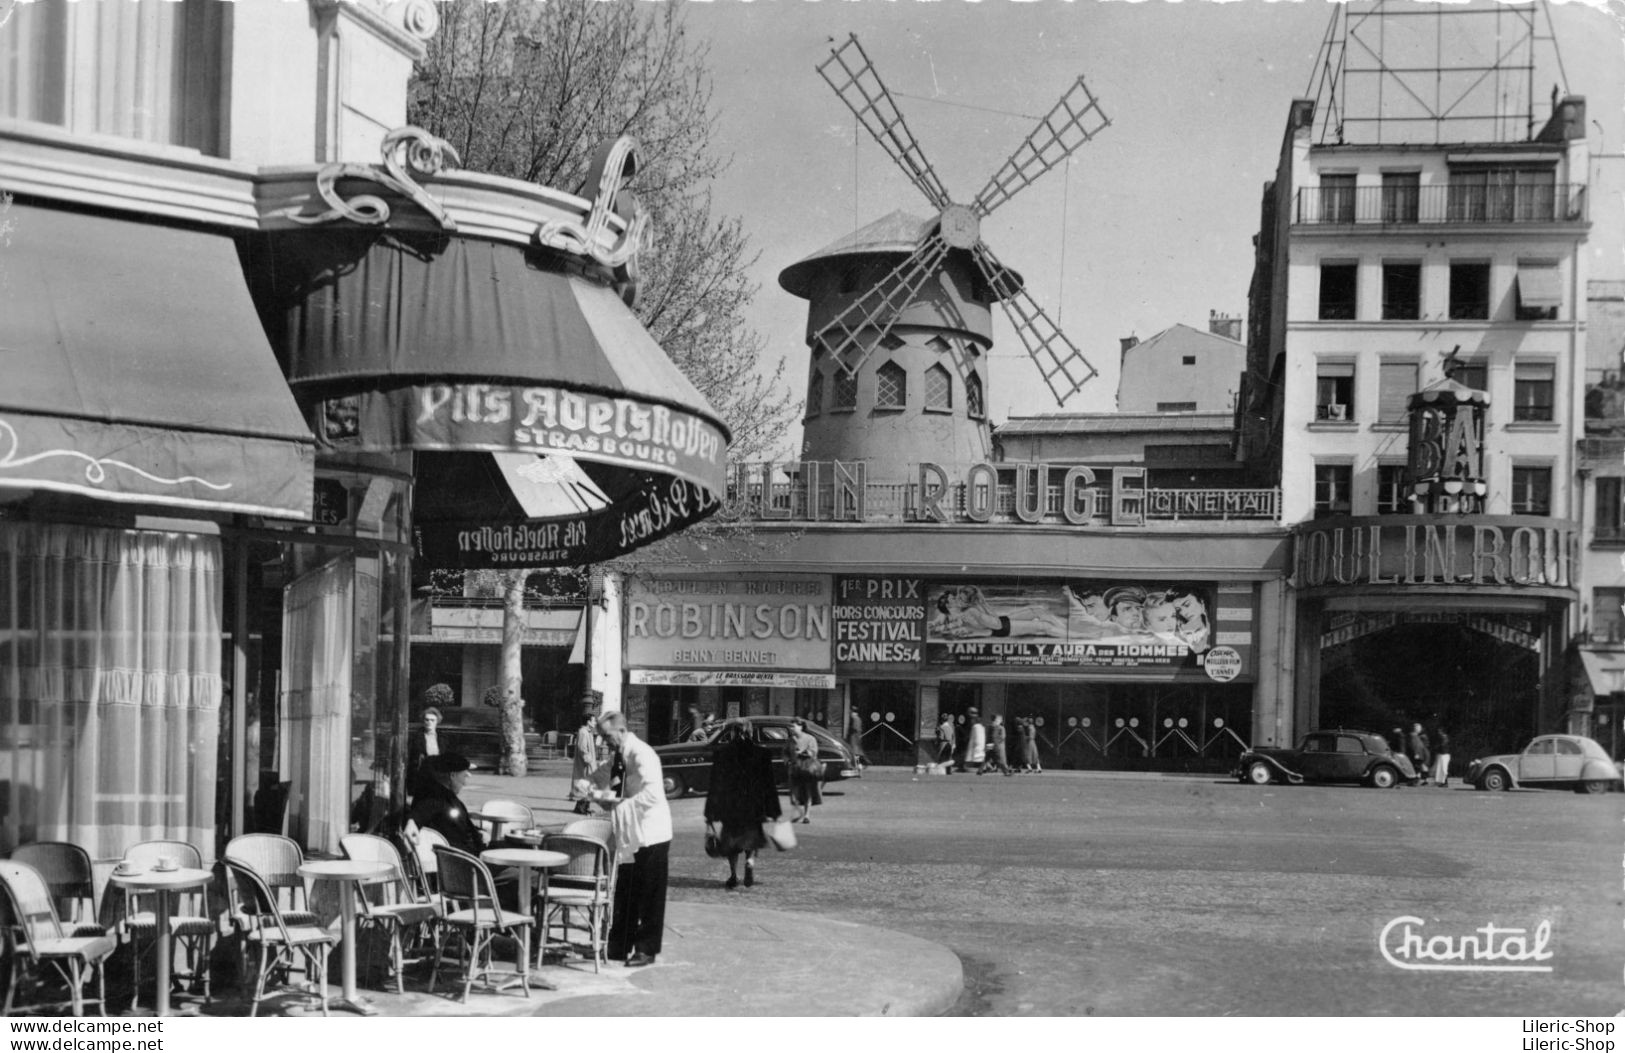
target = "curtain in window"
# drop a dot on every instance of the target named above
(317, 653)
(110, 686)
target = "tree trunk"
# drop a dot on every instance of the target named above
(513, 703)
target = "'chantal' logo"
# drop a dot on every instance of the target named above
(1489, 948)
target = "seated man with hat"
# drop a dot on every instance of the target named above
(440, 806)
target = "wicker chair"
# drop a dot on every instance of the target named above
(584, 887)
(509, 814)
(268, 928)
(597, 829)
(66, 870)
(473, 912)
(427, 841)
(191, 923)
(393, 905)
(38, 940)
(276, 859)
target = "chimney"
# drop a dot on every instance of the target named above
(1224, 325)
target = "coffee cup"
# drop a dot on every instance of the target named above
(167, 863)
(124, 868)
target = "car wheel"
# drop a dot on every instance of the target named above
(675, 786)
(1259, 773)
(1494, 779)
(1384, 777)
(1596, 786)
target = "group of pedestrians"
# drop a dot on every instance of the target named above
(986, 747)
(1429, 751)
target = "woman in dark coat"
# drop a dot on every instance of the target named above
(420, 746)
(742, 797)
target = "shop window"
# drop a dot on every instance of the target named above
(1401, 291)
(1337, 197)
(1540, 291)
(891, 386)
(843, 390)
(1333, 483)
(1610, 516)
(110, 686)
(1338, 284)
(1533, 388)
(1469, 290)
(1334, 391)
(939, 389)
(1392, 494)
(1608, 615)
(1401, 193)
(975, 406)
(815, 392)
(1531, 490)
(160, 79)
(1396, 383)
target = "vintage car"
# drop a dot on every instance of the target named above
(1332, 755)
(687, 765)
(1562, 762)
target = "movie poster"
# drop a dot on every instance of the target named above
(1074, 624)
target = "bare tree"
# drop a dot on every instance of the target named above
(527, 90)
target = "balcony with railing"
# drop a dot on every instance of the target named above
(794, 501)
(1449, 205)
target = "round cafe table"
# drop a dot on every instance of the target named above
(497, 823)
(526, 860)
(348, 873)
(163, 882)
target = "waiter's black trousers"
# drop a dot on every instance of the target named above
(640, 903)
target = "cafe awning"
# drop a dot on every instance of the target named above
(1606, 671)
(550, 428)
(133, 368)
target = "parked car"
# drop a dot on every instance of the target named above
(1332, 755)
(687, 765)
(1561, 762)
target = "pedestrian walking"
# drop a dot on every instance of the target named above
(975, 741)
(997, 754)
(1441, 756)
(586, 755)
(854, 739)
(945, 742)
(1416, 745)
(742, 797)
(640, 825)
(806, 772)
(1029, 746)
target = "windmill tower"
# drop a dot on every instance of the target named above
(899, 317)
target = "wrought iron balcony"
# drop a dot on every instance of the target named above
(1452, 205)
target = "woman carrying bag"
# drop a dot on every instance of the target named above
(742, 797)
(806, 772)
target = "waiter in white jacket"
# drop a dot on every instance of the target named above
(641, 824)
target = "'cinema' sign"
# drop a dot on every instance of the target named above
(1524, 552)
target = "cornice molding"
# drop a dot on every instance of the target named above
(418, 21)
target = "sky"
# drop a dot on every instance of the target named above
(1148, 225)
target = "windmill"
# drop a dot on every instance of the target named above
(852, 335)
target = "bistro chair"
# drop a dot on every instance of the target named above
(276, 859)
(269, 928)
(472, 910)
(38, 940)
(584, 888)
(428, 840)
(190, 924)
(66, 870)
(512, 815)
(392, 905)
(597, 829)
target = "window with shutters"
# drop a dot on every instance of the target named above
(939, 390)
(891, 387)
(1396, 383)
(1534, 386)
(1531, 490)
(1392, 497)
(1334, 391)
(1610, 517)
